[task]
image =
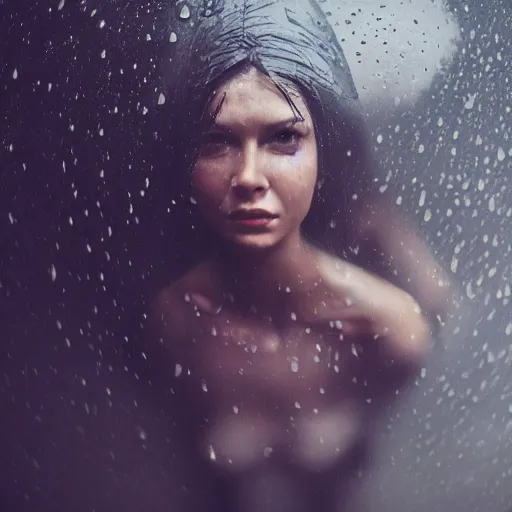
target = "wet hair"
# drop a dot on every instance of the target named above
(294, 47)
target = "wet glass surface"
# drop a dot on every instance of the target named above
(91, 231)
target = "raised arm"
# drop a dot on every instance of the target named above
(394, 236)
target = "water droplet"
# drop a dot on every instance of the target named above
(470, 103)
(102, 23)
(61, 5)
(15, 74)
(294, 365)
(469, 291)
(501, 154)
(185, 12)
(161, 98)
(173, 37)
(177, 370)
(142, 433)
(103, 54)
(53, 272)
(423, 195)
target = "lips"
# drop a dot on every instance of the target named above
(251, 214)
(252, 218)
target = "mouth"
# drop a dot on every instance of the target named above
(254, 217)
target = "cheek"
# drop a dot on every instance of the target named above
(210, 183)
(303, 176)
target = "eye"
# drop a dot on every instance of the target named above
(214, 144)
(286, 140)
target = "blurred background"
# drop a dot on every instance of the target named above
(87, 231)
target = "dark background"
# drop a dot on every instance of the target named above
(86, 418)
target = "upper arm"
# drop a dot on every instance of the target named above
(400, 245)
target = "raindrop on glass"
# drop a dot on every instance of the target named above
(185, 12)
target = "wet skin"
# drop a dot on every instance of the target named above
(283, 346)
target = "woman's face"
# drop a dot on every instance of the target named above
(256, 173)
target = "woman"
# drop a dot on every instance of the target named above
(285, 348)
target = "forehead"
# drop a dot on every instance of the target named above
(254, 94)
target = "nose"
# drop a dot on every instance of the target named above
(249, 180)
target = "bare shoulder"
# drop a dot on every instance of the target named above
(172, 310)
(343, 276)
(371, 306)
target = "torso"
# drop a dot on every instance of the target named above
(298, 389)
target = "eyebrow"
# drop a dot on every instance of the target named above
(270, 126)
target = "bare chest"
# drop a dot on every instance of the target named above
(248, 357)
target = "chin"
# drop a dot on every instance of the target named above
(254, 242)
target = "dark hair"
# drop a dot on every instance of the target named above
(290, 45)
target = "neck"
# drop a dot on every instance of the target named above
(271, 281)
